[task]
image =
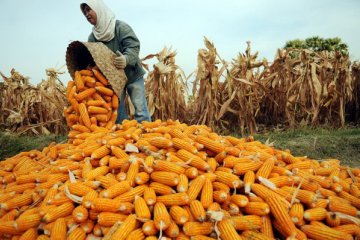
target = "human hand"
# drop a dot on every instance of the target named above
(120, 60)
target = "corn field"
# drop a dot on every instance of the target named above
(32, 109)
(247, 95)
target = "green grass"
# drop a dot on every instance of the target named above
(316, 143)
(319, 143)
(12, 144)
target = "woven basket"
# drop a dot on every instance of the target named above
(80, 55)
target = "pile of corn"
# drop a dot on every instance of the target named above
(168, 180)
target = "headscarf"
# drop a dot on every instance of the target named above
(104, 29)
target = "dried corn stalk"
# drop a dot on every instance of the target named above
(166, 87)
(308, 88)
(353, 107)
(206, 102)
(34, 110)
(242, 93)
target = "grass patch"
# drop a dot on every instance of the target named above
(12, 144)
(319, 143)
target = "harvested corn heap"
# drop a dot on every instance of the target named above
(92, 102)
(168, 180)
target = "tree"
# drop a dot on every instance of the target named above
(318, 44)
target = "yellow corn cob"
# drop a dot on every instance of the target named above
(99, 171)
(17, 201)
(304, 196)
(336, 206)
(130, 195)
(179, 214)
(23, 223)
(257, 208)
(221, 186)
(100, 152)
(229, 179)
(230, 161)
(77, 233)
(80, 214)
(197, 210)
(108, 219)
(197, 228)
(118, 152)
(160, 165)
(212, 163)
(248, 222)
(59, 229)
(239, 200)
(249, 178)
(227, 230)
(149, 228)
(161, 188)
(29, 234)
(105, 205)
(195, 187)
(106, 181)
(221, 196)
(352, 229)
(194, 160)
(206, 197)
(174, 199)
(141, 178)
(315, 214)
(137, 234)
(354, 200)
(297, 212)
(182, 144)
(19, 188)
(149, 196)
(323, 232)
(116, 189)
(78, 189)
(84, 94)
(266, 227)
(167, 178)
(201, 237)
(58, 212)
(162, 218)
(242, 168)
(161, 142)
(266, 168)
(104, 91)
(192, 173)
(254, 235)
(142, 211)
(214, 146)
(84, 115)
(279, 212)
(333, 219)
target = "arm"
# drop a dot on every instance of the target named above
(130, 44)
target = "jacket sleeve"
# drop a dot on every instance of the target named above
(130, 44)
(91, 38)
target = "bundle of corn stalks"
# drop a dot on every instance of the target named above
(33, 110)
(309, 88)
(166, 87)
(353, 107)
(206, 95)
(242, 93)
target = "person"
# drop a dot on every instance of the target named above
(121, 39)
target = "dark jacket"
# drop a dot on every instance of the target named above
(128, 44)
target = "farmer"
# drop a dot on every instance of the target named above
(121, 39)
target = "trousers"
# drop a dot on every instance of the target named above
(136, 91)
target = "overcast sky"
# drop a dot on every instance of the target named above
(35, 34)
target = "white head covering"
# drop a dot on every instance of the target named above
(104, 29)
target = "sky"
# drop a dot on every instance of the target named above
(35, 34)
